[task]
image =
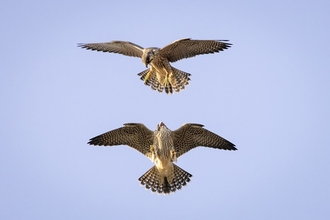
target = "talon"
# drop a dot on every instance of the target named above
(173, 155)
(166, 81)
(152, 150)
(147, 77)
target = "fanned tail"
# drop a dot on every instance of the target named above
(153, 180)
(176, 81)
(179, 79)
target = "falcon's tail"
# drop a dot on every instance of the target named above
(153, 180)
(177, 80)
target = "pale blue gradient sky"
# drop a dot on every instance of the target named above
(268, 94)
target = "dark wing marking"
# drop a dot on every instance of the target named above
(134, 135)
(120, 47)
(190, 136)
(186, 48)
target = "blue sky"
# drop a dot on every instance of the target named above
(268, 94)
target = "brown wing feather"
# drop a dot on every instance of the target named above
(134, 135)
(186, 48)
(120, 47)
(190, 136)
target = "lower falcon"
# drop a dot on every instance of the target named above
(163, 147)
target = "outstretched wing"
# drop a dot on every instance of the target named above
(121, 47)
(190, 136)
(186, 48)
(134, 135)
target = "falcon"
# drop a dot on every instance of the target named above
(161, 75)
(163, 147)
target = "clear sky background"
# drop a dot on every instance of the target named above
(268, 94)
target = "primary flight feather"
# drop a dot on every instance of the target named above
(161, 75)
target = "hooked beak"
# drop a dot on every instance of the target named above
(161, 124)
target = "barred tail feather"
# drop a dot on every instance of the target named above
(157, 183)
(152, 81)
(177, 81)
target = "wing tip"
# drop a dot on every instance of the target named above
(231, 146)
(82, 45)
(91, 142)
(226, 43)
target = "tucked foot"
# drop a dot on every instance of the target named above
(147, 77)
(152, 153)
(166, 81)
(173, 155)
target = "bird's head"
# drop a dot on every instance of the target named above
(162, 131)
(148, 55)
(160, 126)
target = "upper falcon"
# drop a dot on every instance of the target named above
(161, 75)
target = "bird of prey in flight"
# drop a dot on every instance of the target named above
(161, 75)
(163, 147)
